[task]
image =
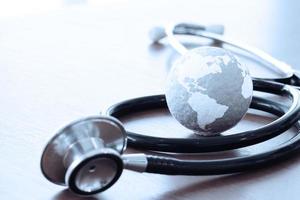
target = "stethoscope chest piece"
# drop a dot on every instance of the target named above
(85, 155)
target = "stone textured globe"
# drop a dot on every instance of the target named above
(208, 90)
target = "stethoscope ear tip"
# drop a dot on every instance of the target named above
(157, 33)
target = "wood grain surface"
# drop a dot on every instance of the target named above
(61, 60)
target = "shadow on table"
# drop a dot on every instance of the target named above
(68, 195)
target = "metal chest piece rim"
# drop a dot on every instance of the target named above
(96, 138)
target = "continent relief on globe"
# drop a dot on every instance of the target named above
(208, 90)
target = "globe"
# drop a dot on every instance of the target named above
(208, 90)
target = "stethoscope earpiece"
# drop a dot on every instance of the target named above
(85, 155)
(157, 33)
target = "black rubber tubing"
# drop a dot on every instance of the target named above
(171, 166)
(210, 144)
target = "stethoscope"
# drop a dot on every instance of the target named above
(87, 155)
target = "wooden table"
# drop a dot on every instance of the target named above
(62, 60)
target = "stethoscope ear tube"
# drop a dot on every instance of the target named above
(191, 29)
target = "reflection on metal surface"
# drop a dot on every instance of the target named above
(78, 140)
